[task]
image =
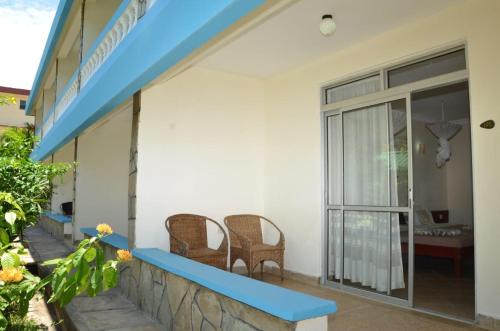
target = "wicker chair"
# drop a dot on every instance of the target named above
(245, 233)
(188, 238)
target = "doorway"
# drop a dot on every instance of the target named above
(398, 186)
(443, 203)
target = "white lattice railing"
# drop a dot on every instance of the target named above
(117, 29)
(48, 121)
(68, 95)
(107, 43)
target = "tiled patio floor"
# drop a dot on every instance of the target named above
(356, 313)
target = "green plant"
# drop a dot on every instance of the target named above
(17, 285)
(24, 186)
(85, 270)
(28, 181)
(4, 100)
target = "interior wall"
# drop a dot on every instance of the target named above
(293, 181)
(200, 151)
(102, 173)
(429, 182)
(459, 179)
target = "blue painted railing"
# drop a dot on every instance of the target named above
(275, 300)
(115, 239)
(58, 217)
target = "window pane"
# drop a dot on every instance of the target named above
(334, 160)
(373, 257)
(376, 156)
(334, 245)
(353, 89)
(433, 67)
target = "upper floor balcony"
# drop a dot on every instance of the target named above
(99, 53)
(91, 33)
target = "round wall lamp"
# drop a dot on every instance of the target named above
(327, 26)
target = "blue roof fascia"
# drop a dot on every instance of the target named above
(275, 300)
(169, 32)
(60, 17)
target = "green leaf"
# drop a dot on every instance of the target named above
(51, 262)
(68, 294)
(10, 217)
(99, 261)
(110, 278)
(3, 322)
(4, 237)
(90, 254)
(9, 260)
(96, 281)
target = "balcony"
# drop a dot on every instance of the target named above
(120, 25)
(122, 61)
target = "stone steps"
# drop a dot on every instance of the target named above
(107, 311)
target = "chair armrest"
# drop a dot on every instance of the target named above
(245, 242)
(281, 241)
(184, 245)
(223, 245)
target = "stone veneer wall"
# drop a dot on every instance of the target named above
(54, 228)
(180, 304)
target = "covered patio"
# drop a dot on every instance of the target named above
(240, 127)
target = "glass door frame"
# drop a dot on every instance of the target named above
(358, 102)
(327, 207)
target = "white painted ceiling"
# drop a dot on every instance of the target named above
(291, 37)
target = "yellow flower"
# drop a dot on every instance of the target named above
(11, 275)
(104, 229)
(123, 255)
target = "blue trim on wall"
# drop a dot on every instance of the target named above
(278, 301)
(55, 31)
(58, 217)
(170, 31)
(115, 239)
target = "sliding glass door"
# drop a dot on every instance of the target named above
(368, 197)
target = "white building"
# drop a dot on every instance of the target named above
(229, 107)
(12, 115)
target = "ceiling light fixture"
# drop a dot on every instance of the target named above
(327, 26)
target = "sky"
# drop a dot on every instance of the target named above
(24, 27)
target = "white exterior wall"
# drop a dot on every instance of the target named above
(102, 174)
(200, 151)
(12, 115)
(62, 189)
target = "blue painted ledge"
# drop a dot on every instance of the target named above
(278, 301)
(58, 217)
(117, 240)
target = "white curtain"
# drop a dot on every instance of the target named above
(370, 179)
